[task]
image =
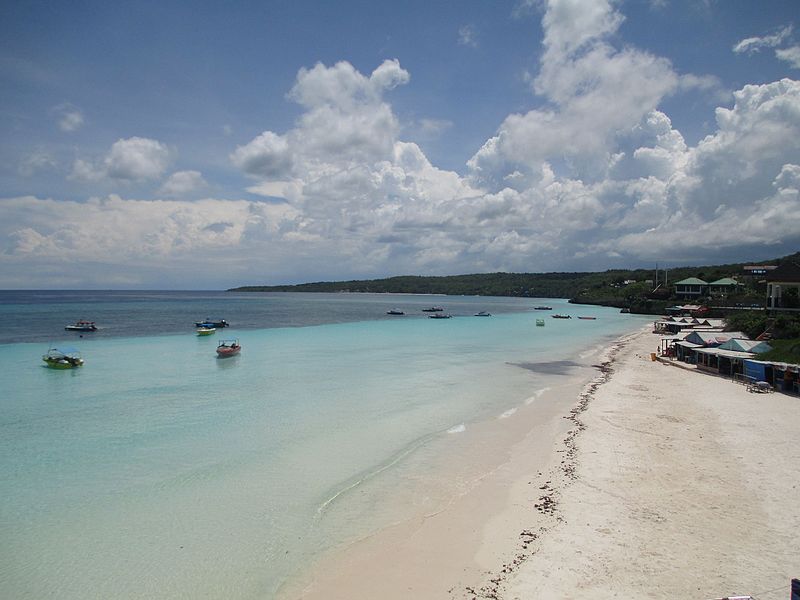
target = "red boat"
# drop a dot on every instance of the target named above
(228, 348)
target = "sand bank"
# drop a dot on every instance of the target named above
(655, 482)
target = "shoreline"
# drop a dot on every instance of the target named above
(654, 483)
(456, 550)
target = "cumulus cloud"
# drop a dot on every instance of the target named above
(594, 174)
(182, 183)
(131, 159)
(68, 116)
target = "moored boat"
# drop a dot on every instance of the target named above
(82, 326)
(439, 315)
(483, 313)
(206, 330)
(228, 348)
(433, 309)
(540, 322)
(561, 316)
(208, 323)
(67, 358)
(542, 308)
(395, 311)
(588, 318)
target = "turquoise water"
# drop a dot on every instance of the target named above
(159, 470)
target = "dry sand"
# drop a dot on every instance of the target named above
(658, 483)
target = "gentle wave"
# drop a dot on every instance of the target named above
(536, 395)
(508, 413)
(460, 428)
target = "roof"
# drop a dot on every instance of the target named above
(725, 353)
(788, 271)
(691, 281)
(725, 281)
(746, 346)
(714, 337)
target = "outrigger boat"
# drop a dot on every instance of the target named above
(228, 348)
(82, 326)
(68, 358)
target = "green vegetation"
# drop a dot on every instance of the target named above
(787, 351)
(639, 290)
(754, 323)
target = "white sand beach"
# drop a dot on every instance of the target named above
(658, 482)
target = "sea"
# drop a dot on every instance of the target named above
(160, 470)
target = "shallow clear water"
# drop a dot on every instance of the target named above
(159, 470)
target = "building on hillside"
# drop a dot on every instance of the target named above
(758, 271)
(691, 288)
(783, 287)
(726, 286)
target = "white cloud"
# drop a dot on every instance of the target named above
(131, 159)
(790, 55)
(36, 162)
(754, 44)
(182, 183)
(69, 117)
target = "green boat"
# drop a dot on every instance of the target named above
(68, 358)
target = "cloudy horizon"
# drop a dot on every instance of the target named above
(567, 135)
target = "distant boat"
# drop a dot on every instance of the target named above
(206, 330)
(540, 322)
(439, 316)
(68, 358)
(542, 308)
(395, 311)
(82, 326)
(433, 309)
(588, 318)
(483, 313)
(208, 323)
(561, 316)
(227, 348)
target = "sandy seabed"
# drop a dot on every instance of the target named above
(658, 482)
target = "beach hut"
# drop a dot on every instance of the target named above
(723, 362)
(753, 346)
(707, 338)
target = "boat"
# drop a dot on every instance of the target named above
(433, 309)
(206, 330)
(439, 315)
(540, 322)
(542, 308)
(228, 348)
(208, 323)
(68, 358)
(483, 313)
(561, 316)
(588, 318)
(82, 326)
(395, 311)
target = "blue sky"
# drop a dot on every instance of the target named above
(208, 145)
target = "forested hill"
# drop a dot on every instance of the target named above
(634, 289)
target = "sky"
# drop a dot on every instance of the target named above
(206, 145)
